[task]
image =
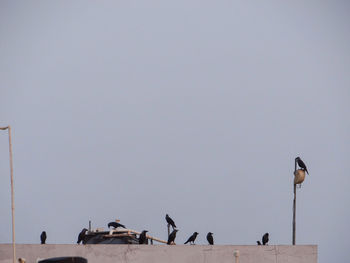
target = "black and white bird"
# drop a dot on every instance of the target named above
(265, 239)
(81, 235)
(210, 238)
(301, 164)
(170, 221)
(172, 237)
(43, 237)
(142, 237)
(192, 238)
(115, 225)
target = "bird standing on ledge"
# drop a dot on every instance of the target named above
(81, 236)
(43, 237)
(172, 236)
(142, 238)
(265, 239)
(210, 238)
(192, 238)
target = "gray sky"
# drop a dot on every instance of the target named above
(135, 109)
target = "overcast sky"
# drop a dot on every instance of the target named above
(135, 109)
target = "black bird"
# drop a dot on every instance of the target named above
(115, 225)
(172, 237)
(170, 221)
(142, 237)
(210, 238)
(258, 242)
(265, 239)
(301, 164)
(81, 235)
(192, 238)
(43, 237)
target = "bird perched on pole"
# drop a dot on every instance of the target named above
(172, 236)
(81, 236)
(43, 237)
(301, 164)
(115, 225)
(142, 237)
(210, 238)
(192, 238)
(170, 221)
(265, 239)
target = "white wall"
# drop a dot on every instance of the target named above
(163, 253)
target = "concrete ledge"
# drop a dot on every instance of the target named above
(163, 253)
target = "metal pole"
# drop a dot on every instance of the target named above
(294, 211)
(12, 193)
(294, 204)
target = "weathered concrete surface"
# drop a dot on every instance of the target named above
(163, 253)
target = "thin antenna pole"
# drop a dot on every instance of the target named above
(294, 203)
(12, 197)
(12, 193)
(294, 212)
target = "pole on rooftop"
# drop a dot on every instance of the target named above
(12, 193)
(294, 204)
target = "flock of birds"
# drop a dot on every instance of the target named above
(191, 239)
(171, 238)
(143, 239)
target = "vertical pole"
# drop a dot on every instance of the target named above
(294, 211)
(89, 225)
(236, 254)
(168, 230)
(294, 204)
(12, 197)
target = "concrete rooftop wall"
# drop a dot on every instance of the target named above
(164, 254)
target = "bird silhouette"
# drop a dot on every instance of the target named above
(43, 237)
(115, 225)
(142, 237)
(81, 236)
(265, 239)
(172, 237)
(192, 238)
(301, 164)
(210, 238)
(258, 242)
(170, 221)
